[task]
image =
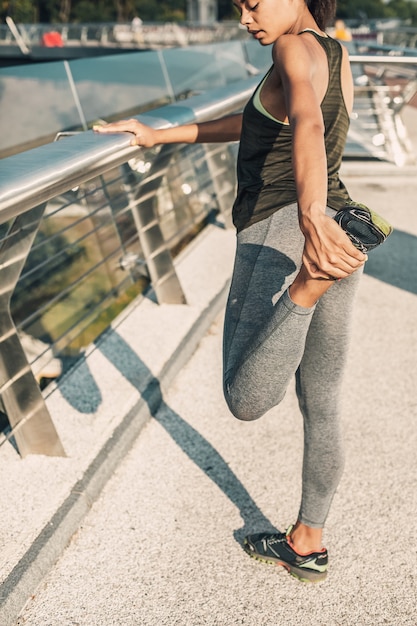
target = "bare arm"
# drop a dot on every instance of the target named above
(327, 251)
(216, 131)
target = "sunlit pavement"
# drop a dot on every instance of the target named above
(161, 545)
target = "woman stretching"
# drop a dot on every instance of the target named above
(296, 270)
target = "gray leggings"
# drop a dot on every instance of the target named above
(268, 339)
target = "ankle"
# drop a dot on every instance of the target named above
(306, 291)
(305, 539)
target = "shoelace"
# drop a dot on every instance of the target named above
(279, 538)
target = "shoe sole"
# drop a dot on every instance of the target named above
(297, 572)
(365, 228)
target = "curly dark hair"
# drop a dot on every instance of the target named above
(323, 11)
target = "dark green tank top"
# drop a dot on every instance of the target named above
(264, 166)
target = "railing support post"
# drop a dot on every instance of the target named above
(20, 394)
(158, 257)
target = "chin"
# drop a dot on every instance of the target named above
(265, 42)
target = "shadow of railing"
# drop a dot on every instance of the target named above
(87, 398)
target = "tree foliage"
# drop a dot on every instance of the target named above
(363, 10)
(55, 11)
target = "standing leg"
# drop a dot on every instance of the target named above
(318, 378)
(318, 384)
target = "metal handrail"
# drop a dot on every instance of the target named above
(36, 176)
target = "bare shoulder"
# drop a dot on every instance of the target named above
(296, 55)
(291, 45)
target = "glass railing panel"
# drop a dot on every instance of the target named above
(196, 69)
(118, 85)
(258, 56)
(230, 61)
(36, 102)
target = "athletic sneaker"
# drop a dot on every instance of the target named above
(365, 228)
(275, 549)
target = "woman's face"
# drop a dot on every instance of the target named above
(266, 20)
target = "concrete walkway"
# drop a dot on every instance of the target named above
(161, 544)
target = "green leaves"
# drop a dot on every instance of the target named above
(375, 9)
(56, 11)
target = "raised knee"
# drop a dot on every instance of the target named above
(243, 413)
(241, 407)
(247, 408)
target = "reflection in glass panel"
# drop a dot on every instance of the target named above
(52, 107)
(119, 85)
(258, 56)
(196, 69)
(191, 70)
(230, 60)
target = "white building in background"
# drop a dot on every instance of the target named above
(202, 11)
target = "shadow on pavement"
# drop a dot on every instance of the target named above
(395, 261)
(197, 448)
(80, 390)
